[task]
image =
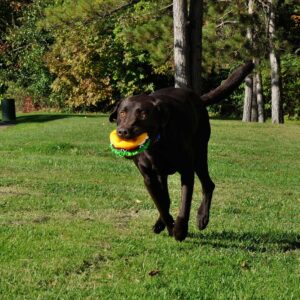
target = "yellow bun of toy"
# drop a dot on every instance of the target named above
(131, 144)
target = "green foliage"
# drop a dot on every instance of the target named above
(231, 107)
(290, 68)
(3, 89)
(225, 44)
(76, 64)
(148, 29)
(87, 54)
(10, 12)
(223, 35)
(290, 76)
(92, 66)
(22, 58)
(288, 23)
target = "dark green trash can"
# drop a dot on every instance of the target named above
(8, 110)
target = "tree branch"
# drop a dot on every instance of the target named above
(226, 23)
(119, 8)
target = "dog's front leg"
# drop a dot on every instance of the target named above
(180, 230)
(158, 189)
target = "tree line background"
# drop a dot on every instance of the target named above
(84, 55)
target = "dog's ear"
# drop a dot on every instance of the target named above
(114, 113)
(162, 110)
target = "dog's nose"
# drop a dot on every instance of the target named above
(123, 133)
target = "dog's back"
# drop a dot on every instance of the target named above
(188, 114)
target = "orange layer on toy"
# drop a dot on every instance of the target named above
(131, 144)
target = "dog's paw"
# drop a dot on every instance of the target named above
(170, 229)
(180, 229)
(202, 220)
(159, 226)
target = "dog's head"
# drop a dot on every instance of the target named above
(137, 114)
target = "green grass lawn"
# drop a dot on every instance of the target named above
(75, 221)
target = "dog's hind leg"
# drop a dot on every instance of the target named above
(207, 189)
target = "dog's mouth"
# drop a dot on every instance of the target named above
(129, 134)
(129, 148)
(128, 153)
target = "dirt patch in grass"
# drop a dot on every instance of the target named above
(13, 190)
(5, 125)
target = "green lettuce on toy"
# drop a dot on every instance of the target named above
(127, 148)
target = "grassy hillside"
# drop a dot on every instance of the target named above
(75, 221)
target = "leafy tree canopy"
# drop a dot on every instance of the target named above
(87, 54)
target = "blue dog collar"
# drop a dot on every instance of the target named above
(157, 138)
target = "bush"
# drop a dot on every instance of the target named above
(291, 85)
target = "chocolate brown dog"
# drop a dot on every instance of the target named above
(177, 123)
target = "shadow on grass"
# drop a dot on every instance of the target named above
(249, 241)
(42, 118)
(225, 118)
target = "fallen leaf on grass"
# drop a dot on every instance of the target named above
(154, 272)
(41, 219)
(245, 265)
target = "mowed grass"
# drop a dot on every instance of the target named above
(75, 221)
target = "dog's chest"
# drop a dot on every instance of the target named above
(163, 162)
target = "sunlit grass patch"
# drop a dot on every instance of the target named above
(75, 221)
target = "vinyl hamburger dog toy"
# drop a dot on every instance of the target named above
(128, 148)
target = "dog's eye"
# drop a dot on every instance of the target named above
(143, 115)
(122, 114)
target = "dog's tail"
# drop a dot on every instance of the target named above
(229, 85)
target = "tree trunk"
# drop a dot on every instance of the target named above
(249, 79)
(259, 97)
(195, 30)
(254, 113)
(275, 88)
(277, 113)
(181, 44)
(248, 99)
